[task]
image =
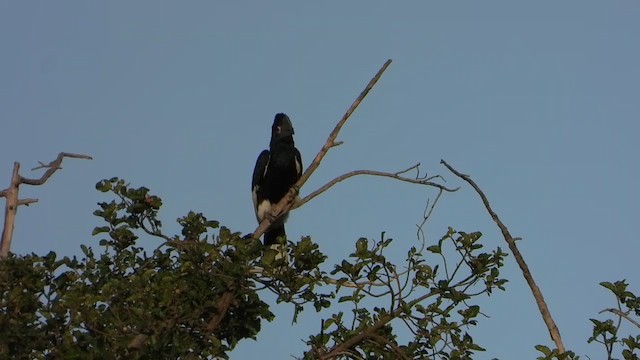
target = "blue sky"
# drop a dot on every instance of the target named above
(538, 102)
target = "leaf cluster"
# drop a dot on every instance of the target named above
(429, 298)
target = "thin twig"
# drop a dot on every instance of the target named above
(428, 210)
(287, 201)
(27, 201)
(622, 314)
(554, 332)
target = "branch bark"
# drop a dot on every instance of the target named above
(11, 195)
(537, 294)
(226, 300)
(397, 176)
(287, 201)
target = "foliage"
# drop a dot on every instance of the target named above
(199, 293)
(429, 299)
(193, 296)
(607, 332)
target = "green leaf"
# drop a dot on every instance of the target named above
(543, 349)
(103, 185)
(608, 285)
(362, 245)
(100, 229)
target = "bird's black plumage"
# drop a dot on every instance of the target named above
(276, 170)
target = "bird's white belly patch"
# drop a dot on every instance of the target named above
(263, 208)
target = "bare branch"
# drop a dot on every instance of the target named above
(428, 210)
(537, 294)
(396, 176)
(622, 314)
(10, 209)
(11, 195)
(51, 168)
(287, 201)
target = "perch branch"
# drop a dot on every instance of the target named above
(287, 201)
(416, 180)
(537, 294)
(11, 195)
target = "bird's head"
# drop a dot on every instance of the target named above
(281, 128)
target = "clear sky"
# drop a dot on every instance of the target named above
(538, 101)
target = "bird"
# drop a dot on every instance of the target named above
(276, 170)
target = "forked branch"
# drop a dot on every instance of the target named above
(537, 294)
(12, 200)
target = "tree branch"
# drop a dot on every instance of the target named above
(416, 180)
(225, 302)
(537, 294)
(51, 168)
(11, 195)
(287, 201)
(621, 314)
(370, 331)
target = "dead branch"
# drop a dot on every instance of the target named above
(416, 180)
(51, 168)
(537, 294)
(12, 200)
(287, 201)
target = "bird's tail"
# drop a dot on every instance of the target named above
(271, 236)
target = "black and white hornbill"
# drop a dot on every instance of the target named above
(277, 169)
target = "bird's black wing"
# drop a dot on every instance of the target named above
(298, 164)
(258, 175)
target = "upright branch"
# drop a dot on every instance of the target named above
(12, 200)
(287, 201)
(537, 294)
